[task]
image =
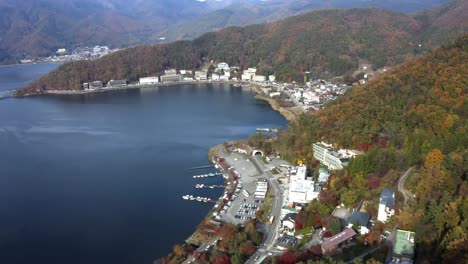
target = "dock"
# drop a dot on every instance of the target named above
(273, 130)
(201, 167)
(200, 186)
(198, 199)
(206, 175)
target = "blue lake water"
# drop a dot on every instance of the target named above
(98, 178)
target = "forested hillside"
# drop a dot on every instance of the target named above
(326, 43)
(416, 115)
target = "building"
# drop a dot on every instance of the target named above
(271, 78)
(223, 66)
(96, 85)
(331, 157)
(85, 86)
(301, 191)
(329, 245)
(403, 251)
(246, 77)
(171, 78)
(261, 190)
(362, 220)
(117, 83)
(149, 80)
(386, 205)
(170, 72)
(342, 213)
(259, 78)
(287, 241)
(215, 77)
(298, 173)
(201, 75)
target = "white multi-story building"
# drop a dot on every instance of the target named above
(301, 191)
(386, 205)
(298, 173)
(331, 157)
(149, 80)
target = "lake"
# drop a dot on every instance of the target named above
(98, 178)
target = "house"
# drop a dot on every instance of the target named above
(85, 86)
(149, 80)
(329, 245)
(386, 205)
(117, 83)
(271, 78)
(259, 78)
(362, 220)
(246, 77)
(95, 85)
(403, 251)
(331, 157)
(223, 66)
(170, 72)
(201, 75)
(215, 77)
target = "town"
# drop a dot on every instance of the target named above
(63, 55)
(274, 192)
(310, 96)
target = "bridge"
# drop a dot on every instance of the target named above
(6, 94)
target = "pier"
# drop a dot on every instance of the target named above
(6, 94)
(273, 130)
(206, 175)
(201, 167)
(200, 186)
(198, 199)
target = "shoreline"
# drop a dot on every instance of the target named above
(286, 112)
(118, 88)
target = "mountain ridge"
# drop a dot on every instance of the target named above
(40, 27)
(324, 42)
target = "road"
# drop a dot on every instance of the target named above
(401, 186)
(202, 248)
(272, 230)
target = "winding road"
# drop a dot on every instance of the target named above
(407, 195)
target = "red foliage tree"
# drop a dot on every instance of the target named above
(221, 259)
(287, 258)
(248, 249)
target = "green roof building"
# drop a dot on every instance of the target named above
(403, 251)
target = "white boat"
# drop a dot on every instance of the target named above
(185, 197)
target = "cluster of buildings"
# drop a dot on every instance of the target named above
(63, 55)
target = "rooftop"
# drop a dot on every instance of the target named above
(337, 239)
(301, 186)
(362, 219)
(387, 197)
(404, 245)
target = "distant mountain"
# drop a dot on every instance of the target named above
(325, 42)
(245, 12)
(39, 27)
